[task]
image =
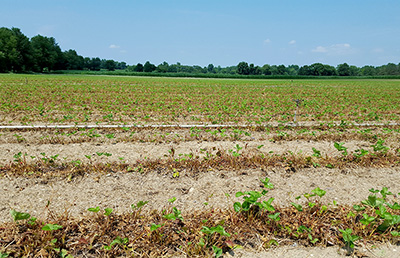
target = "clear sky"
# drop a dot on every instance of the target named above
(221, 32)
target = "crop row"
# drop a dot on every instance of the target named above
(173, 135)
(253, 221)
(237, 158)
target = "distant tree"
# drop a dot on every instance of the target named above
(368, 70)
(210, 68)
(24, 49)
(317, 69)
(195, 69)
(304, 70)
(254, 70)
(266, 69)
(281, 69)
(173, 68)
(73, 61)
(138, 68)
(15, 51)
(389, 69)
(47, 54)
(354, 70)
(8, 53)
(120, 65)
(95, 64)
(343, 69)
(243, 68)
(292, 69)
(110, 65)
(163, 67)
(274, 70)
(148, 67)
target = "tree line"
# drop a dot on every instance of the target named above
(19, 54)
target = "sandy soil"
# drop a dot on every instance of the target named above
(120, 190)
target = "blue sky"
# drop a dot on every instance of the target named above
(221, 32)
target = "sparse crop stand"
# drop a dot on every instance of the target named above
(135, 166)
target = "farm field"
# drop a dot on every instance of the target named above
(198, 167)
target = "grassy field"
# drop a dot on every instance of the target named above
(163, 192)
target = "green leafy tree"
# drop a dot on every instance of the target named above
(149, 67)
(368, 70)
(110, 65)
(266, 69)
(281, 69)
(343, 69)
(73, 61)
(210, 68)
(47, 54)
(243, 68)
(163, 67)
(138, 68)
(15, 51)
(95, 64)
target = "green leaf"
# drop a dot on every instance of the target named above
(238, 194)
(139, 205)
(266, 183)
(108, 211)
(266, 205)
(218, 229)
(297, 206)
(217, 251)
(155, 226)
(367, 219)
(340, 147)
(97, 209)
(172, 200)
(318, 191)
(394, 206)
(51, 227)
(170, 216)
(237, 206)
(119, 241)
(372, 190)
(201, 242)
(303, 229)
(358, 207)
(32, 221)
(3, 255)
(275, 216)
(394, 233)
(19, 215)
(384, 192)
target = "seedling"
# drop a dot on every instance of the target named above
(108, 211)
(51, 227)
(175, 215)
(340, 147)
(19, 215)
(251, 198)
(117, 241)
(380, 147)
(348, 238)
(154, 226)
(139, 205)
(316, 153)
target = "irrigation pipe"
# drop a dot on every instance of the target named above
(304, 124)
